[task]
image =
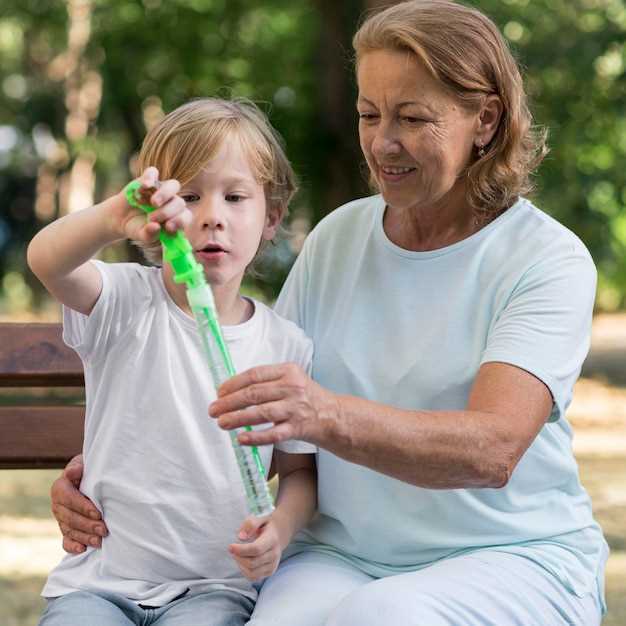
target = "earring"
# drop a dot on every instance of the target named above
(481, 150)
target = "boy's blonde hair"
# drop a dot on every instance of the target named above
(186, 139)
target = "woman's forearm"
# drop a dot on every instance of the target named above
(477, 446)
(431, 449)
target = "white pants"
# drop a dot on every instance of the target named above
(480, 589)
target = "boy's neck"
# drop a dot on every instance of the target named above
(232, 309)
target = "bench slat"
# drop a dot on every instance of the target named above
(34, 355)
(40, 436)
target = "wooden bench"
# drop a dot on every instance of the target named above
(42, 383)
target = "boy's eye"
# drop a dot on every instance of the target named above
(234, 197)
(189, 197)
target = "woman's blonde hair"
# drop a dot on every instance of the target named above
(465, 52)
(186, 139)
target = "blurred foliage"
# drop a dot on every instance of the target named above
(291, 56)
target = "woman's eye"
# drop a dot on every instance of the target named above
(413, 120)
(367, 117)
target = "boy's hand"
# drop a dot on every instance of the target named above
(170, 212)
(259, 557)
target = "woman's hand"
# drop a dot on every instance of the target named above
(258, 558)
(79, 520)
(280, 394)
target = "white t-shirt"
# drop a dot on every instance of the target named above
(411, 329)
(158, 467)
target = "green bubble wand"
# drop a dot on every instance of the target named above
(179, 253)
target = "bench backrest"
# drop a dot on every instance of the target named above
(37, 430)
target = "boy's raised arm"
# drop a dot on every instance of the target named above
(59, 255)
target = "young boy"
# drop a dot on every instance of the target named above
(161, 472)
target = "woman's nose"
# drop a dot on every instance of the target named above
(385, 141)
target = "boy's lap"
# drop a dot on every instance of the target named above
(83, 608)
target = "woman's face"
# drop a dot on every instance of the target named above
(416, 138)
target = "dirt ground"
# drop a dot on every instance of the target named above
(29, 542)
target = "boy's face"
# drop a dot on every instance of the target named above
(230, 216)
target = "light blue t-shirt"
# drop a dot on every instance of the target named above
(411, 329)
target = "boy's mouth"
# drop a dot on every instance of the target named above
(211, 251)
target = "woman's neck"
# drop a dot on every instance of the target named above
(433, 227)
(232, 308)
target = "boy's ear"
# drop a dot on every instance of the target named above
(272, 222)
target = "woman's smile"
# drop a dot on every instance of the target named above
(395, 174)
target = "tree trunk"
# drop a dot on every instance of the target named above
(342, 174)
(83, 94)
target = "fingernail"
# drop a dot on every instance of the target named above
(156, 200)
(242, 535)
(101, 530)
(93, 541)
(94, 515)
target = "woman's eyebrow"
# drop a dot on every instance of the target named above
(406, 103)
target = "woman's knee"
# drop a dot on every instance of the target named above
(380, 603)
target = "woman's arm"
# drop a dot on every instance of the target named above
(78, 518)
(476, 447)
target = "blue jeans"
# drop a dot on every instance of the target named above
(84, 608)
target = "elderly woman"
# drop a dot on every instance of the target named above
(450, 318)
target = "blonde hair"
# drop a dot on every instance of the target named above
(186, 139)
(465, 52)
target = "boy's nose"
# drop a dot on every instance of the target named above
(211, 217)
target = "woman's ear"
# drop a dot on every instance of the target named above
(488, 120)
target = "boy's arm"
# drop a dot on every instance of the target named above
(266, 538)
(59, 255)
(296, 501)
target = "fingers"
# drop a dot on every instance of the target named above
(251, 527)
(78, 525)
(149, 177)
(260, 374)
(281, 432)
(64, 493)
(254, 570)
(78, 540)
(73, 547)
(250, 387)
(74, 470)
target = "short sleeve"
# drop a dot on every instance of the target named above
(545, 326)
(124, 290)
(292, 300)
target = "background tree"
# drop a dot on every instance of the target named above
(82, 80)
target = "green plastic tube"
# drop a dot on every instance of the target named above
(179, 253)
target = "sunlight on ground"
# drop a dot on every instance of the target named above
(28, 547)
(598, 416)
